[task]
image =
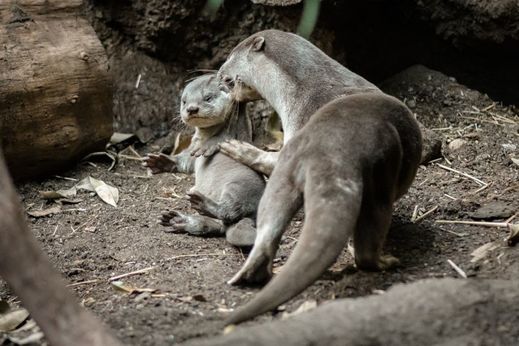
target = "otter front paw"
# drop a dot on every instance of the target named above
(205, 150)
(240, 151)
(159, 163)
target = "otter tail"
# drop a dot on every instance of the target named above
(331, 212)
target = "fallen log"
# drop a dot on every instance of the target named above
(428, 312)
(30, 275)
(55, 90)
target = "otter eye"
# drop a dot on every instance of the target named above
(208, 98)
(183, 101)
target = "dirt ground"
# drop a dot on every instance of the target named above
(92, 240)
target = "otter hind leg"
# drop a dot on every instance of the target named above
(370, 235)
(278, 205)
(242, 233)
(197, 225)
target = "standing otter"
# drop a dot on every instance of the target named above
(27, 270)
(350, 152)
(225, 191)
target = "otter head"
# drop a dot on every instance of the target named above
(203, 103)
(239, 70)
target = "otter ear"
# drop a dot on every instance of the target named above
(258, 43)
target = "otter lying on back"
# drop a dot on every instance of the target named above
(226, 192)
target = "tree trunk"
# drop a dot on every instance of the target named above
(55, 92)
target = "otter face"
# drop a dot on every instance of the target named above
(204, 104)
(236, 74)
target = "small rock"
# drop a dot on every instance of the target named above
(411, 103)
(493, 210)
(457, 144)
(509, 147)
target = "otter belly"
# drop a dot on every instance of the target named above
(219, 174)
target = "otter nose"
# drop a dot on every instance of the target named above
(192, 109)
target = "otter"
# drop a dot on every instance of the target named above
(226, 193)
(28, 272)
(350, 152)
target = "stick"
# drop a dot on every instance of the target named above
(83, 283)
(478, 181)
(128, 157)
(427, 213)
(134, 151)
(457, 269)
(140, 271)
(194, 255)
(476, 223)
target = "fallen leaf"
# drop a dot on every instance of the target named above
(121, 286)
(32, 339)
(482, 251)
(119, 137)
(513, 238)
(45, 212)
(12, 320)
(306, 306)
(199, 298)
(516, 161)
(107, 193)
(67, 193)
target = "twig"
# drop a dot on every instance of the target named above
(511, 217)
(457, 269)
(130, 148)
(476, 223)
(478, 181)
(138, 81)
(83, 283)
(66, 178)
(449, 196)
(424, 215)
(128, 157)
(482, 188)
(194, 255)
(415, 213)
(140, 271)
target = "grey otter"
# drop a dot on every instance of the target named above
(350, 152)
(27, 270)
(226, 192)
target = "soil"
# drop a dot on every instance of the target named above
(92, 240)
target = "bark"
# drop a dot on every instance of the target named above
(55, 92)
(29, 273)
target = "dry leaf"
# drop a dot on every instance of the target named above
(67, 193)
(12, 320)
(119, 137)
(306, 306)
(516, 161)
(513, 238)
(32, 339)
(482, 251)
(107, 193)
(121, 286)
(45, 212)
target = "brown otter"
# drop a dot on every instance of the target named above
(350, 152)
(226, 192)
(27, 270)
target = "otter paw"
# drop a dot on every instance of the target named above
(176, 221)
(256, 270)
(240, 151)
(199, 203)
(159, 163)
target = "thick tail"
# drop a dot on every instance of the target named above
(331, 213)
